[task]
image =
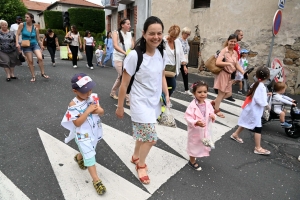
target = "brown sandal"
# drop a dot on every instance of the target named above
(144, 178)
(219, 114)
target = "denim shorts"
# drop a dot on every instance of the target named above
(32, 48)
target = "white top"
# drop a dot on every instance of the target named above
(179, 55)
(75, 41)
(147, 86)
(89, 41)
(99, 52)
(252, 113)
(117, 56)
(281, 99)
(90, 132)
(14, 28)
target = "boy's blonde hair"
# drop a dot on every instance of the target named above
(279, 86)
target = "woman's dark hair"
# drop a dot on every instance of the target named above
(198, 84)
(232, 36)
(123, 21)
(142, 42)
(49, 30)
(262, 73)
(74, 29)
(31, 16)
(86, 33)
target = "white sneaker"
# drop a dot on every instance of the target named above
(87, 66)
(188, 92)
(91, 67)
(75, 66)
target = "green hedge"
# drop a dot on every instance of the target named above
(53, 19)
(87, 19)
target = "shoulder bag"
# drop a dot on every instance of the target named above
(26, 43)
(170, 70)
(45, 41)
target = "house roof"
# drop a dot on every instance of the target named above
(76, 2)
(34, 5)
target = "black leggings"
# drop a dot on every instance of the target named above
(74, 51)
(89, 54)
(52, 53)
(185, 78)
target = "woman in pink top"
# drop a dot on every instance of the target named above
(223, 81)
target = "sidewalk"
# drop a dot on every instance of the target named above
(194, 76)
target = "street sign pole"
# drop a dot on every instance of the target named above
(270, 53)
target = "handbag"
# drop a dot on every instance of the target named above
(67, 40)
(170, 70)
(210, 64)
(21, 58)
(26, 43)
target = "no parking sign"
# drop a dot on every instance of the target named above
(276, 64)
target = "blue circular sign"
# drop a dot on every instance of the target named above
(277, 22)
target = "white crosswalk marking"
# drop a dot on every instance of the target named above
(8, 190)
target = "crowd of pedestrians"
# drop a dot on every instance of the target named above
(142, 67)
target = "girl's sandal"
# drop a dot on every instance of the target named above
(45, 76)
(143, 179)
(219, 114)
(32, 79)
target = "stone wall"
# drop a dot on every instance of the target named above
(222, 18)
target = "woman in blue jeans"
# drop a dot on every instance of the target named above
(109, 49)
(29, 32)
(175, 55)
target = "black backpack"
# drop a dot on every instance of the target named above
(139, 62)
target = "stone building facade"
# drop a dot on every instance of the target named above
(218, 19)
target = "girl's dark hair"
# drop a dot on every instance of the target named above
(198, 84)
(74, 29)
(232, 36)
(31, 16)
(86, 33)
(262, 73)
(123, 21)
(142, 42)
(108, 32)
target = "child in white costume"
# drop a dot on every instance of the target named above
(253, 109)
(83, 121)
(99, 54)
(279, 98)
(244, 64)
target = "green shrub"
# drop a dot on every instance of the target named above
(88, 19)
(53, 19)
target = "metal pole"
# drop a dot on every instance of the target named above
(271, 48)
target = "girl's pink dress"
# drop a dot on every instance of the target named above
(195, 147)
(223, 79)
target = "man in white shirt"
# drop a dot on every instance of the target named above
(14, 27)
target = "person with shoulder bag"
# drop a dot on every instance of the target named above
(88, 47)
(176, 57)
(223, 81)
(123, 43)
(75, 44)
(51, 41)
(31, 44)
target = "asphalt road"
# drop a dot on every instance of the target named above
(232, 171)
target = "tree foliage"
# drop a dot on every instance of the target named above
(88, 19)
(53, 19)
(10, 9)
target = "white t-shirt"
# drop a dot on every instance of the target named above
(147, 86)
(14, 28)
(117, 56)
(89, 41)
(99, 52)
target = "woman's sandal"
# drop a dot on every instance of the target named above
(237, 139)
(261, 151)
(32, 79)
(45, 76)
(144, 178)
(219, 114)
(134, 161)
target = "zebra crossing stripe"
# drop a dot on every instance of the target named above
(8, 190)
(76, 183)
(161, 164)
